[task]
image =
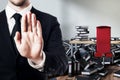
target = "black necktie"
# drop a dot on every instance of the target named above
(17, 26)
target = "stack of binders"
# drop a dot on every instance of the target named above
(82, 33)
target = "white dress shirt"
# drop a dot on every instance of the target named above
(11, 22)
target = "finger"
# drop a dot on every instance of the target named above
(39, 29)
(29, 26)
(23, 24)
(17, 39)
(34, 24)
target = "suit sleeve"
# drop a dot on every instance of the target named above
(56, 61)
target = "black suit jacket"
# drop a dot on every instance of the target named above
(13, 66)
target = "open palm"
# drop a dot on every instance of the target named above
(30, 42)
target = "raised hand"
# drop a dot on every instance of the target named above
(30, 42)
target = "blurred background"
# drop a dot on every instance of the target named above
(71, 13)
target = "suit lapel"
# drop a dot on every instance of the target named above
(4, 31)
(33, 10)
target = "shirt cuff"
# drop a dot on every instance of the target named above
(39, 66)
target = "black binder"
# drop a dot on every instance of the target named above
(117, 73)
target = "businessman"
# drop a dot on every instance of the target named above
(30, 43)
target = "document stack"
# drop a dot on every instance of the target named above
(82, 33)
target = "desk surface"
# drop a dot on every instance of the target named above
(82, 42)
(90, 42)
(109, 76)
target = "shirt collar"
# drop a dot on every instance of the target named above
(10, 11)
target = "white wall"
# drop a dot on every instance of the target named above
(92, 13)
(2, 4)
(73, 13)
